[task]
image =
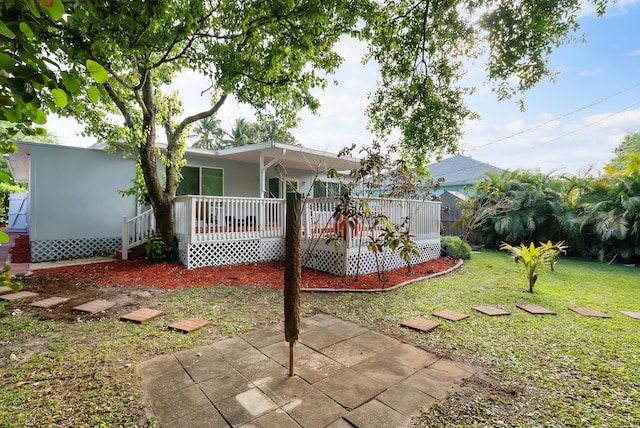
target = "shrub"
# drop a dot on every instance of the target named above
(156, 249)
(532, 258)
(453, 246)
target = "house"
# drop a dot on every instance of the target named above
(451, 211)
(229, 208)
(460, 172)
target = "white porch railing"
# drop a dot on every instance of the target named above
(421, 218)
(224, 218)
(217, 230)
(135, 230)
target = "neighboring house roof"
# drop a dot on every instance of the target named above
(461, 170)
(454, 194)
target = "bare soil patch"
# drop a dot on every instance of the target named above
(128, 282)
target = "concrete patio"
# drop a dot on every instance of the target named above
(345, 376)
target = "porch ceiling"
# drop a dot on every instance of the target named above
(289, 157)
(18, 164)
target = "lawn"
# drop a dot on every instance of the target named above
(562, 370)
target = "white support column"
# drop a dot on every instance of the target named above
(125, 238)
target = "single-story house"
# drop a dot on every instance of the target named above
(460, 172)
(229, 208)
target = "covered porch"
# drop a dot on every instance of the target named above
(220, 231)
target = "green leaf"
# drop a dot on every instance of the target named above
(4, 238)
(94, 94)
(21, 88)
(41, 117)
(55, 11)
(4, 178)
(7, 62)
(70, 82)
(26, 30)
(98, 73)
(4, 31)
(33, 8)
(59, 97)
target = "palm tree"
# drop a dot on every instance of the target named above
(271, 131)
(209, 134)
(612, 211)
(242, 134)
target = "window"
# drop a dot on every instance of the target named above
(276, 187)
(323, 189)
(201, 181)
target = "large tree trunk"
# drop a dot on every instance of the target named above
(161, 202)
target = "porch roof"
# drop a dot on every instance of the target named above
(265, 154)
(288, 156)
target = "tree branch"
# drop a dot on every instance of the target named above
(128, 121)
(194, 118)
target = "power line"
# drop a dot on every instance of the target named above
(560, 117)
(572, 132)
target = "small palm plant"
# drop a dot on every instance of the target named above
(534, 258)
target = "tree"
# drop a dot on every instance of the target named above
(209, 134)
(270, 131)
(630, 144)
(243, 133)
(271, 54)
(422, 46)
(266, 54)
(28, 83)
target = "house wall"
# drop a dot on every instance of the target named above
(74, 202)
(239, 178)
(243, 179)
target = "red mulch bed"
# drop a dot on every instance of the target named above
(21, 250)
(170, 276)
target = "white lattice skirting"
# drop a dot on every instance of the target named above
(46, 251)
(227, 253)
(328, 260)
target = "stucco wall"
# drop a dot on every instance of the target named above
(73, 193)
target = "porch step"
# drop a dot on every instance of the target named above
(133, 253)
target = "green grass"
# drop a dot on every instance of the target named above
(563, 370)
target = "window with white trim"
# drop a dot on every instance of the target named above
(199, 180)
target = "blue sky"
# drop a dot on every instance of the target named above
(593, 103)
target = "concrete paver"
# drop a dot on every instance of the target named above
(345, 376)
(406, 399)
(349, 388)
(19, 295)
(590, 312)
(375, 414)
(536, 310)
(635, 315)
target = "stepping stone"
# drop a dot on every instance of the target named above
(450, 315)
(420, 324)
(4, 290)
(142, 315)
(635, 315)
(189, 325)
(18, 295)
(50, 302)
(491, 311)
(590, 312)
(536, 310)
(95, 306)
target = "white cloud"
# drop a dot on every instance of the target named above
(635, 53)
(586, 73)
